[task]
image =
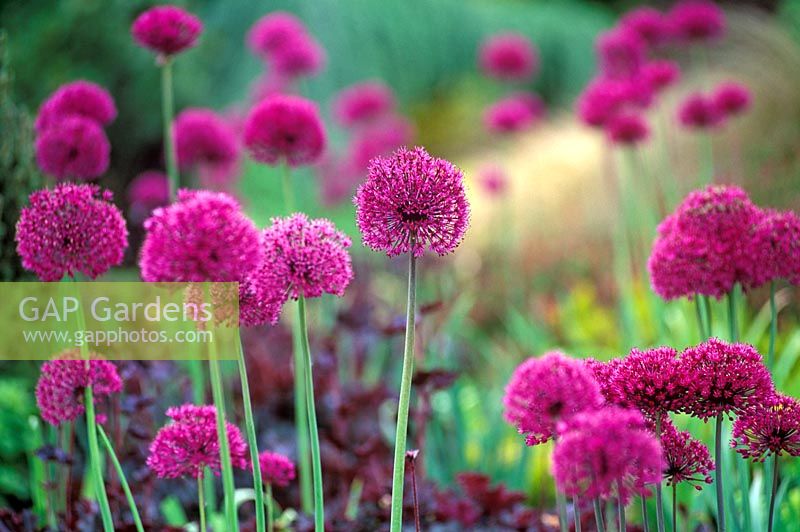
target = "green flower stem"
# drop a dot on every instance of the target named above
(698, 305)
(718, 469)
(576, 509)
(288, 190)
(405, 396)
(123, 481)
(598, 516)
(621, 515)
(659, 492)
(645, 524)
(773, 493)
(167, 113)
(222, 434)
(270, 508)
(773, 326)
(708, 316)
(674, 507)
(732, 321)
(252, 441)
(316, 462)
(201, 504)
(561, 504)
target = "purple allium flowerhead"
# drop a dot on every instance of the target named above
(300, 56)
(621, 53)
(190, 443)
(303, 257)
(363, 103)
(698, 111)
(379, 138)
(412, 201)
(660, 74)
(770, 427)
(493, 180)
(73, 148)
(649, 24)
(703, 247)
(513, 113)
(732, 98)
(774, 249)
(627, 129)
(605, 374)
(61, 385)
(276, 469)
(722, 378)
(205, 141)
(78, 98)
(604, 98)
(166, 30)
(545, 390)
(284, 128)
(650, 380)
(508, 57)
(697, 20)
(147, 191)
(271, 32)
(686, 458)
(71, 229)
(203, 236)
(606, 453)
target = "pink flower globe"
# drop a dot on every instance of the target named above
(166, 30)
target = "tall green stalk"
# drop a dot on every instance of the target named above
(732, 321)
(659, 491)
(621, 515)
(316, 462)
(718, 470)
(701, 326)
(645, 523)
(137, 521)
(167, 113)
(405, 396)
(674, 507)
(270, 508)
(201, 504)
(576, 509)
(773, 326)
(228, 487)
(774, 492)
(561, 504)
(252, 441)
(598, 516)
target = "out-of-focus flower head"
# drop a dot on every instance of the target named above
(363, 103)
(649, 24)
(493, 180)
(698, 111)
(166, 30)
(508, 57)
(147, 191)
(660, 74)
(627, 129)
(604, 98)
(78, 98)
(513, 113)
(621, 53)
(276, 469)
(73, 148)
(732, 98)
(768, 428)
(697, 21)
(686, 459)
(272, 32)
(205, 141)
(774, 249)
(380, 138)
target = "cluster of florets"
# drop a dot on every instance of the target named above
(702, 111)
(166, 30)
(206, 142)
(282, 41)
(768, 428)
(686, 459)
(276, 469)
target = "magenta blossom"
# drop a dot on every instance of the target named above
(603, 99)
(73, 148)
(147, 191)
(508, 57)
(660, 74)
(206, 142)
(412, 201)
(649, 24)
(203, 236)
(651, 381)
(605, 375)
(698, 111)
(732, 98)
(493, 180)
(722, 378)
(774, 249)
(190, 443)
(697, 20)
(272, 32)
(513, 113)
(166, 30)
(299, 56)
(363, 103)
(284, 129)
(78, 98)
(686, 459)
(276, 469)
(61, 386)
(627, 129)
(379, 138)
(544, 390)
(771, 427)
(71, 229)
(621, 53)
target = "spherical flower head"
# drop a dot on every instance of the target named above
(71, 229)
(686, 459)
(284, 129)
(774, 249)
(276, 469)
(697, 21)
(271, 32)
(363, 103)
(732, 98)
(649, 24)
(605, 374)
(660, 74)
(627, 129)
(493, 180)
(704, 246)
(542, 391)
(508, 57)
(513, 113)
(300, 56)
(73, 148)
(606, 453)
(604, 98)
(722, 378)
(700, 112)
(379, 138)
(62, 382)
(650, 380)
(190, 443)
(78, 98)
(412, 201)
(204, 236)
(304, 257)
(621, 53)
(147, 191)
(205, 141)
(769, 428)
(166, 30)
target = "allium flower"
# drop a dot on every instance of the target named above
(508, 57)
(771, 427)
(284, 129)
(605, 374)
(698, 111)
(363, 102)
(722, 378)
(147, 191)
(732, 98)
(78, 98)
(203, 236)
(73, 148)
(61, 385)
(71, 229)
(412, 201)
(651, 381)
(376, 139)
(304, 257)
(272, 32)
(493, 180)
(298, 57)
(704, 246)
(513, 113)
(686, 459)
(627, 129)
(660, 74)
(697, 20)
(648, 23)
(774, 249)
(166, 30)
(190, 443)
(276, 469)
(205, 141)
(545, 390)
(604, 98)
(606, 453)
(621, 53)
